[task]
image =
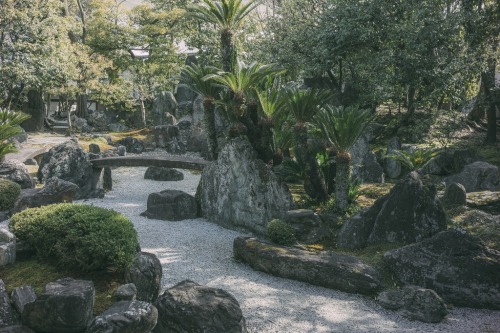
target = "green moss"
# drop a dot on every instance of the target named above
(77, 236)
(9, 192)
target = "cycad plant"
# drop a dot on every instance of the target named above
(9, 127)
(301, 106)
(193, 77)
(342, 127)
(413, 160)
(227, 15)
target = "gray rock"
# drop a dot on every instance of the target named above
(69, 162)
(327, 269)
(94, 148)
(126, 292)
(171, 205)
(163, 174)
(307, 224)
(121, 150)
(189, 307)
(164, 104)
(22, 296)
(450, 161)
(240, 191)
(455, 195)
(365, 166)
(8, 315)
(477, 176)
(410, 213)
(415, 303)
(145, 274)
(125, 317)
(22, 136)
(16, 171)
(16, 329)
(30, 161)
(133, 145)
(7, 247)
(168, 136)
(65, 306)
(81, 124)
(459, 267)
(99, 120)
(184, 109)
(55, 191)
(117, 127)
(107, 179)
(392, 168)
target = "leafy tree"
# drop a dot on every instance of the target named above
(342, 127)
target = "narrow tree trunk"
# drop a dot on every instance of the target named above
(209, 108)
(35, 108)
(488, 79)
(81, 106)
(227, 49)
(411, 104)
(143, 113)
(342, 178)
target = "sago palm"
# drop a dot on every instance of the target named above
(9, 127)
(193, 77)
(342, 127)
(227, 15)
(301, 106)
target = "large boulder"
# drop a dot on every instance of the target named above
(392, 167)
(164, 104)
(69, 162)
(410, 213)
(240, 191)
(55, 191)
(328, 269)
(133, 145)
(171, 205)
(450, 161)
(8, 315)
(7, 247)
(455, 195)
(458, 266)
(477, 176)
(163, 174)
(415, 303)
(125, 317)
(65, 306)
(22, 296)
(192, 308)
(145, 273)
(168, 136)
(308, 226)
(16, 171)
(365, 165)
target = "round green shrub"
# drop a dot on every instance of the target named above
(9, 192)
(280, 232)
(77, 236)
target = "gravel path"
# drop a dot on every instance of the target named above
(202, 252)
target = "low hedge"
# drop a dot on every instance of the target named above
(9, 192)
(78, 236)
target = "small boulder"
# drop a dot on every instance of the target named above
(125, 317)
(328, 269)
(22, 296)
(94, 148)
(307, 225)
(107, 179)
(392, 167)
(65, 307)
(455, 195)
(8, 315)
(121, 150)
(415, 303)
(16, 172)
(189, 307)
(133, 145)
(163, 174)
(410, 213)
(126, 292)
(145, 273)
(477, 176)
(171, 205)
(365, 165)
(458, 266)
(7, 247)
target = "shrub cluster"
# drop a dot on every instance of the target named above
(280, 232)
(9, 192)
(77, 236)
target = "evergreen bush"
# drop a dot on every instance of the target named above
(77, 236)
(9, 192)
(280, 232)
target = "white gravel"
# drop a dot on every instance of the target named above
(202, 251)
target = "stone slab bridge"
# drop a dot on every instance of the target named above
(177, 162)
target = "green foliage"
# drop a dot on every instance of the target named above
(9, 192)
(227, 14)
(281, 232)
(9, 127)
(414, 159)
(193, 76)
(303, 104)
(77, 236)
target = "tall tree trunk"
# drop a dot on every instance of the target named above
(314, 184)
(488, 79)
(81, 106)
(35, 108)
(143, 112)
(227, 49)
(410, 103)
(209, 107)
(342, 178)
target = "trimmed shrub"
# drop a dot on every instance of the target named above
(9, 192)
(280, 232)
(78, 236)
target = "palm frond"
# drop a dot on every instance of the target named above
(227, 14)
(415, 159)
(9, 127)
(303, 104)
(193, 77)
